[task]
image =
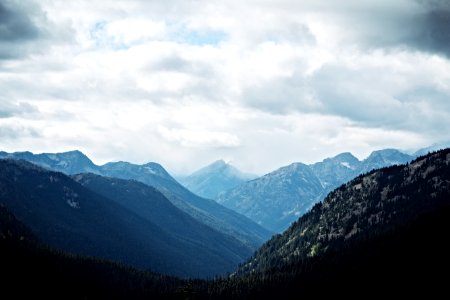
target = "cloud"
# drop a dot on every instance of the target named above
(199, 138)
(420, 25)
(15, 25)
(11, 132)
(8, 109)
(16, 29)
(434, 34)
(259, 82)
(25, 29)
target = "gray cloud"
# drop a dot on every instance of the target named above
(16, 29)
(8, 109)
(15, 24)
(434, 34)
(371, 100)
(283, 96)
(25, 29)
(422, 25)
(15, 132)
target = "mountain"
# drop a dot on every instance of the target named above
(203, 210)
(150, 204)
(272, 200)
(215, 178)
(336, 170)
(71, 162)
(383, 233)
(33, 270)
(280, 197)
(68, 216)
(382, 158)
(368, 206)
(434, 147)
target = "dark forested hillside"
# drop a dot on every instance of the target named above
(152, 205)
(30, 269)
(70, 217)
(409, 261)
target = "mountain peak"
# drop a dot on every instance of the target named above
(215, 178)
(346, 157)
(388, 155)
(294, 167)
(219, 163)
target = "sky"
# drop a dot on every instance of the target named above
(258, 83)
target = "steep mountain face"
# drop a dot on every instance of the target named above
(368, 206)
(154, 174)
(64, 214)
(272, 200)
(334, 171)
(215, 178)
(150, 204)
(203, 210)
(278, 198)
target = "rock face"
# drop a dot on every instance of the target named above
(277, 199)
(272, 200)
(215, 178)
(368, 206)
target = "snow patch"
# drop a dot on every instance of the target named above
(150, 170)
(63, 164)
(347, 165)
(52, 157)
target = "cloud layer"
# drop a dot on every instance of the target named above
(261, 83)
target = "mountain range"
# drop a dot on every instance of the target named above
(372, 204)
(210, 181)
(272, 201)
(121, 220)
(206, 211)
(382, 233)
(278, 198)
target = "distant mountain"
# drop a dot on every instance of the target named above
(371, 205)
(334, 171)
(273, 199)
(68, 216)
(206, 211)
(215, 178)
(71, 162)
(280, 197)
(382, 158)
(434, 147)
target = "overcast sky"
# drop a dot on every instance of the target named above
(260, 83)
